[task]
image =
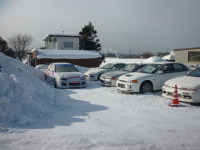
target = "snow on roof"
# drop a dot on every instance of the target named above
(59, 35)
(67, 54)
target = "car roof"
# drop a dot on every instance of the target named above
(116, 63)
(58, 63)
(165, 63)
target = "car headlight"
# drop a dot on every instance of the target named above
(132, 81)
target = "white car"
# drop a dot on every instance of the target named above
(188, 87)
(95, 73)
(64, 75)
(151, 77)
(110, 78)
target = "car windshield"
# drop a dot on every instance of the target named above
(195, 73)
(107, 66)
(150, 69)
(129, 67)
(65, 68)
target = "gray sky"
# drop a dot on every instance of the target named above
(122, 25)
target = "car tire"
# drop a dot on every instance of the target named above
(55, 83)
(146, 87)
(45, 77)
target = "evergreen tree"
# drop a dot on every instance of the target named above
(89, 40)
(5, 49)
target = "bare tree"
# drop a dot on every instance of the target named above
(19, 43)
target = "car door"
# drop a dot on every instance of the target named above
(165, 73)
(179, 70)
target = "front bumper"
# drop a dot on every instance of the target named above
(90, 77)
(128, 87)
(108, 82)
(71, 83)
(183, 95)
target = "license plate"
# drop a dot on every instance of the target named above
(74, 82)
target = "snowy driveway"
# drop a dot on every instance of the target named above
(101, 118)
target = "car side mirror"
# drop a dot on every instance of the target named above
(160, 72)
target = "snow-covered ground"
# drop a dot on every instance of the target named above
(34, 115)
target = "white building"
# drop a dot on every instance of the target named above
(62, 42)
(190, 56)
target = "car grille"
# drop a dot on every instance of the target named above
(121, 85)
(122, 80)
(171, 94)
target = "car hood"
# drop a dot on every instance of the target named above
(69, 74)
(135, 75)
(185, 81)
(115, 73)
(95, 70)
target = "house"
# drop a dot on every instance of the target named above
(64, 48)
(62, 42)
(190, 56)
(84, 58)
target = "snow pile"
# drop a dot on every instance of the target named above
(171, 56)
(121, 60)
(153, 59)
(23, 96)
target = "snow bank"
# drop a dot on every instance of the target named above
(24, 97)
(121, 60)
(153, 59)
(171, 56)
(118, 60)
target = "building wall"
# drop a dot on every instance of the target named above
(58, 43)
(50, 43)
(61, 40)
(93, 62)
(183, 56)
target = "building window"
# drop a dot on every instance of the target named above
(194, 56)
(54, 40)
(68, 44)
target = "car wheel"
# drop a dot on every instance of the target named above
(146, 87)
(55, 83)
(45, 77)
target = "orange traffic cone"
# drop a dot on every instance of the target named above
(175, 101)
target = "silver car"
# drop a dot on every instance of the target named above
(95, 73)
(110, 78)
